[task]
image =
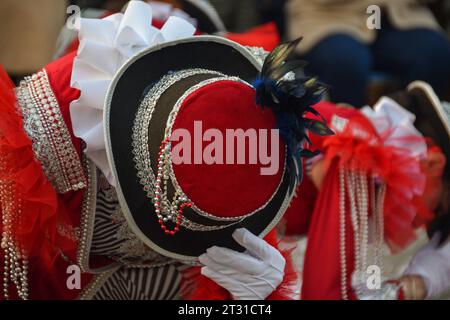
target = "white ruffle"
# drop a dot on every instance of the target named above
(105, 45)
(396, 125)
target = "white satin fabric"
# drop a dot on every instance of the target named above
(396, 125)
(105, 45)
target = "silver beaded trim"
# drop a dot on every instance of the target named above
(87, 220)
(358, 184)
(171, 120)
(52, 145)
(140, 138)
(15, 261)
(87, 217)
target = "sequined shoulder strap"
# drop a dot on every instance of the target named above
(52, 144)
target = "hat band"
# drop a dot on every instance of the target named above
(141, 141)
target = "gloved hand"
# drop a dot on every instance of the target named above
(252, 275)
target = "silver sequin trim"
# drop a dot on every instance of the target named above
(141, 139)
(52, 145)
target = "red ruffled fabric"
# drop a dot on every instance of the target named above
(357, 145)
(360, 145)
(37, 233)
(204, 288)
(397, 168)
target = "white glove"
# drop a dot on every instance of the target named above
(252, 275)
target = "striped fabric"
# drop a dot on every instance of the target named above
(154, 283)
(105, 240)
(144, 274)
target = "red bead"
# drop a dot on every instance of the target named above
(172, 233)
(176, 229)
(160, 221)
(167, 231)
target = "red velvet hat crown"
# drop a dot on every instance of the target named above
(226, 187)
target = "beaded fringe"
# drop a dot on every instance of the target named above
(15, 268)
(355, 186)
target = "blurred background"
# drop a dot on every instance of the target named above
(358, 63)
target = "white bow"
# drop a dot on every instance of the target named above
(105, 45)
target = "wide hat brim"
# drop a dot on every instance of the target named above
(435, 120)
(123, 99)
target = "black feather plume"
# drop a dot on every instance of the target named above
(284, 87)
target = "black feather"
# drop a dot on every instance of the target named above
(284, 87)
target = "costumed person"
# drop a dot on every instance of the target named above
(367, 187)
(96, 169)
(428, 274)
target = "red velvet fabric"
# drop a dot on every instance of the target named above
(226, 190)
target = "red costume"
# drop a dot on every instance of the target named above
(372, 193)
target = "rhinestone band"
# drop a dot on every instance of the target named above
(141, 140)
(45, 126)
